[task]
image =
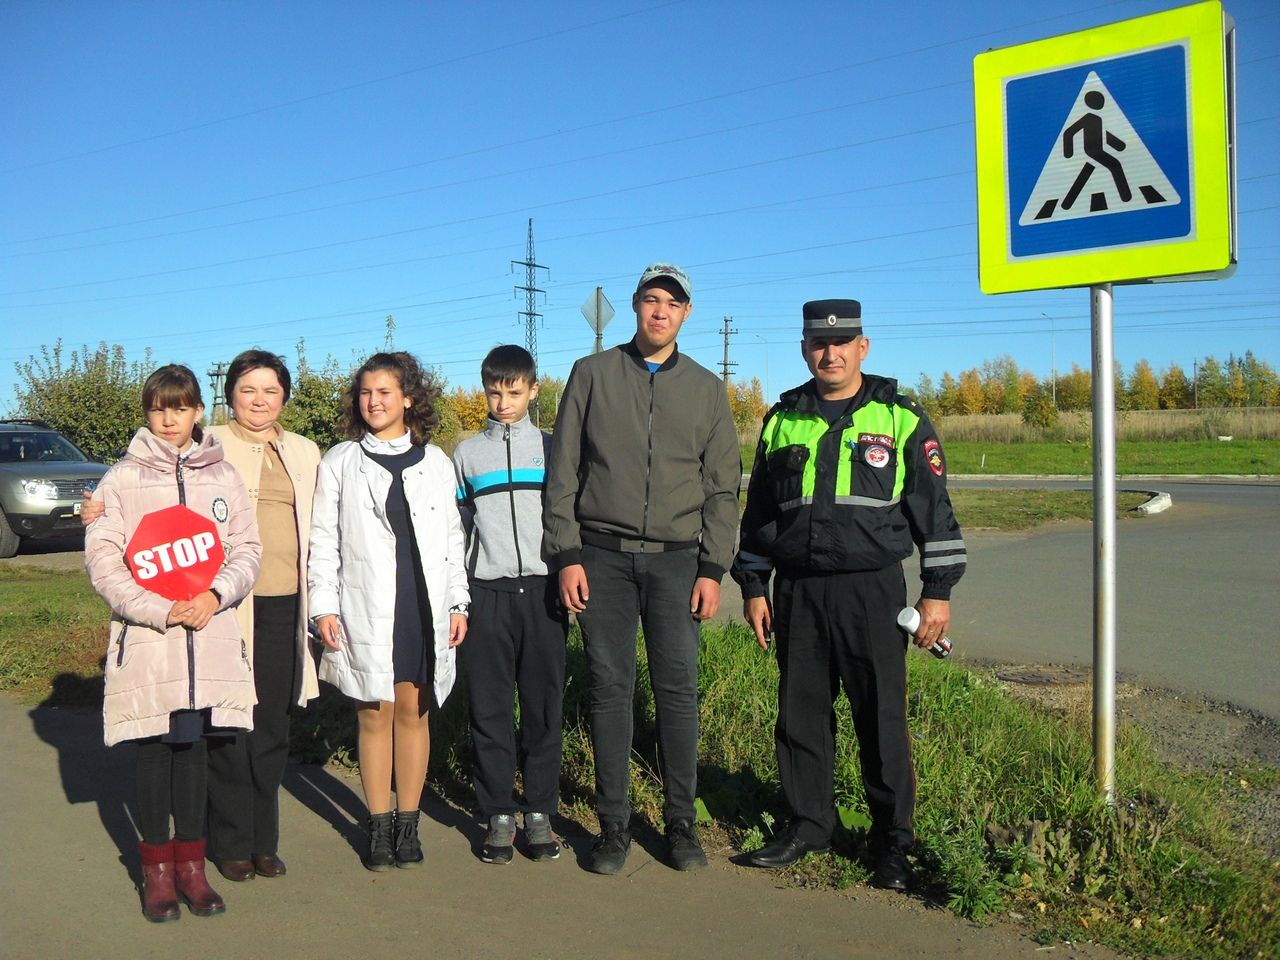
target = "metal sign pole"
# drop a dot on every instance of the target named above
(1104, 543)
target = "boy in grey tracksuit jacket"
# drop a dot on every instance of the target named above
(517, 627)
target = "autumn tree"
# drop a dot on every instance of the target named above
(1211, 384)
(470, 407)
(927, 395)
(1075, 389)
(948, 396)
(746, 403)
(1143, 387)
(969, 392)
(93, 398)
(1175, 389)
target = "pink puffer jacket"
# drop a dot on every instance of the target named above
(153, 669)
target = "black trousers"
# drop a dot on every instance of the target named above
(245, 771)
(653, 589)
(170, 783)
(515, 646)
(832, 630)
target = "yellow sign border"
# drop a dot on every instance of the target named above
(1208, 250)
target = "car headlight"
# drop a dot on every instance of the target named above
(40, 489)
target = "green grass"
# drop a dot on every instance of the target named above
(1023, 509)
(52, 626)
(1250, 457)
(1007, 818)
(1175, 457)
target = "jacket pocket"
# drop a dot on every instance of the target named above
(785, 468)
(124, 630)
(873, 471)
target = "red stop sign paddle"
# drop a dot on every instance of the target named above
(175, 552)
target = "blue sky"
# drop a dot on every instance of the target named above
(202, 177)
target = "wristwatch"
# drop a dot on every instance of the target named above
(461, 609)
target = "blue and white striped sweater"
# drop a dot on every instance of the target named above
(501, 476)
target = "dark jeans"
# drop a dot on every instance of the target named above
(171, 783)
(834, 629)
(516, 645)
(654, 588)
(245, 771)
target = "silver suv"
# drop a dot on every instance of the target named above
(42, 477)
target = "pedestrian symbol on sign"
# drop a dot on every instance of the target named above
(1095, 165)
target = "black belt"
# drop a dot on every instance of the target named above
(607, 541)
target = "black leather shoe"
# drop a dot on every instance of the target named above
(237, 871)
(893, 871)
(783, 850)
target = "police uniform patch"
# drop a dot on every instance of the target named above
(876, 456)
(220, 511)
(933, 453)
(883, 439)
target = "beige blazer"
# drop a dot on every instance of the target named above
(301, 459)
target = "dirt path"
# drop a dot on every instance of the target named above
(66, 841)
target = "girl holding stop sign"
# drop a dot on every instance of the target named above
(177, 672)
(388, 587)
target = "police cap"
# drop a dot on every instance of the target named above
(828, 318)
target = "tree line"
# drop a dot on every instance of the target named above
(94, 397)
(1001, 386)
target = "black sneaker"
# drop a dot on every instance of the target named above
(610, 850)
(407, 845)
(683, 846)
(893, 870)
(498, 842)
(540, 841)
(381, 853)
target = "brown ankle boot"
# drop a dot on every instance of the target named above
(159, 898)
(193, 886)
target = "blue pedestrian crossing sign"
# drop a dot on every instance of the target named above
(1105, 156)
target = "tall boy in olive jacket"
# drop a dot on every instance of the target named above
(640, 516)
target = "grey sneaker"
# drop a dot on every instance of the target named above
(498, 841)
(610, 850)
(540, 842)
(684, 847)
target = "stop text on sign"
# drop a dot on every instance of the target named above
(181, 553)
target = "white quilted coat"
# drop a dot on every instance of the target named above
(351, 569)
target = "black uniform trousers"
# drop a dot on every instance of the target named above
(834, 629)
(245, 772)
(515, 646)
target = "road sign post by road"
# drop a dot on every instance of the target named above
(1107, 156)
(598, 311)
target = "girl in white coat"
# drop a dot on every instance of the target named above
(388, 587)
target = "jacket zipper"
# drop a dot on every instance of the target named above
(511, 495)
(124, 630)
(191, 634)
(648, 473)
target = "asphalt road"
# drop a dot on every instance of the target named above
(1198, 606)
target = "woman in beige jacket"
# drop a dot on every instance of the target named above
(177, 671)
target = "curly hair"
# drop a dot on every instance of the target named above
(421, 416)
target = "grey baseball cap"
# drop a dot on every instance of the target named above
(669, 270)
(833, 318)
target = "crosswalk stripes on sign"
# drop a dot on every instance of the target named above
(1097, 166)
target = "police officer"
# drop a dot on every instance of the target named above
(848, 475)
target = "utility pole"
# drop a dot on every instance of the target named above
(1195, 384)
(215, 388)
(726, 364)
(530, 312)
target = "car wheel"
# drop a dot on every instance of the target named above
(8, 539)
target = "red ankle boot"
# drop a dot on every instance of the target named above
(159, 898)
(193, 886)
